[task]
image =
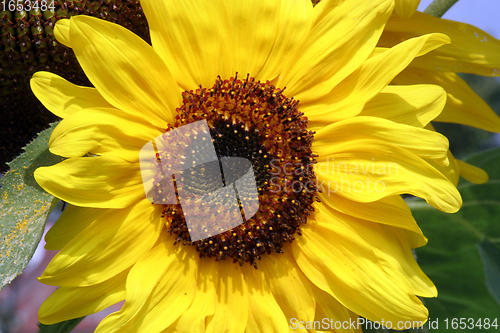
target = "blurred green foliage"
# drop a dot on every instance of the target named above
(462, 252)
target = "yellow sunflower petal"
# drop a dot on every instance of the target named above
(99, 182)
(190, 43)
(294, 24)
(414, 105)
(232, 301)
(349, 96)
(103, 132)
(74, 302)
(350, 322)
(391, 210)
(265, 315)
(472, 173)
(249, 31)
(451, 171)
(369, 170)
(343, 36)
(471, 50)
(406, 8)
(399, 249)
(171, 297)
(160, 287)
(127, 72)
(463, 105)
(61, 32)
(100, 251)
(72, 221)
(330, 309)
(337, 268)
(284, 275)
(62, 97)
(421, 142)
(193, 319)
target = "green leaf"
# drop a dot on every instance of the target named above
(24, 207)
(451, 259)
(490, 254)
(64, 327)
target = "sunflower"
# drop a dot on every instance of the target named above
(280, 84)
(471, 51)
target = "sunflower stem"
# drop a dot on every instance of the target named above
(437, 8)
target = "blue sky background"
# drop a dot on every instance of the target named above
(484, 14)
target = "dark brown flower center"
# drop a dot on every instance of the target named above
(255, 121)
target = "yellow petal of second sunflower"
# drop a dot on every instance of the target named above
(472, 173)
(414, 105)
(463, 105)
(406, 8)
(471, 49)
